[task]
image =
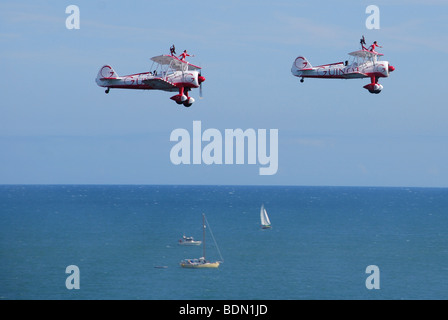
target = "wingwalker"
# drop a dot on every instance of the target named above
(169, 74)
(365, 64)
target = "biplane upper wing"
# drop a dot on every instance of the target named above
(174, 62)
(160, 84)
(365, 53)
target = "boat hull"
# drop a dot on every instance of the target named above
(190, 243)
(200, 265)
(266, 227)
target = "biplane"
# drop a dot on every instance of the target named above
(365, 64)
(169, 73)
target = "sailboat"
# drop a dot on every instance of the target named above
(265, 222)
(202, 262)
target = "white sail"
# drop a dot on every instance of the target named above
(264, 217)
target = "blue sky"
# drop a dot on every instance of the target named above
(58, 127)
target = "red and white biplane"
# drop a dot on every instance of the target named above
(169, 74)
(365, 64)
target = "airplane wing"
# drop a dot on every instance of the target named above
(160, 84)
(355, 75)
(174, 62)
(365, 53)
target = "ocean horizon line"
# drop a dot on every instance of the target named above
(222, 185)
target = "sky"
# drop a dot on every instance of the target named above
(58, 127)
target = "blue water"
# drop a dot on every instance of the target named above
(322, 240)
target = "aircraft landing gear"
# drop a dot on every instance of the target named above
(183, 97)
(301, 80)
(107, 90)
(188, 102)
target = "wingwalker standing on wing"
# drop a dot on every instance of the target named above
(169, 74)
(364, 64)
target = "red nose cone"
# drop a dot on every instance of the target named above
(201, 79)
(391, 68)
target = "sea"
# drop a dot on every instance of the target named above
(108, 242)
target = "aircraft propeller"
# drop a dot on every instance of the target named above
(200, 80)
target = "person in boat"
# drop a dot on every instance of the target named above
(374, 44)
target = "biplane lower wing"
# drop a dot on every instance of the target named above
(355, 75)
(160, 84)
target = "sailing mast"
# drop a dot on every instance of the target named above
(203, 235)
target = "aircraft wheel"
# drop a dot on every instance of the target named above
(107, 90)
(301, 80)
(189, 102)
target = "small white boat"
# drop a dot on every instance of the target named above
(189, 241)
(265, 222)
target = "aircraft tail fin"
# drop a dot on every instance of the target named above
(107, 72)
(301, 63)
